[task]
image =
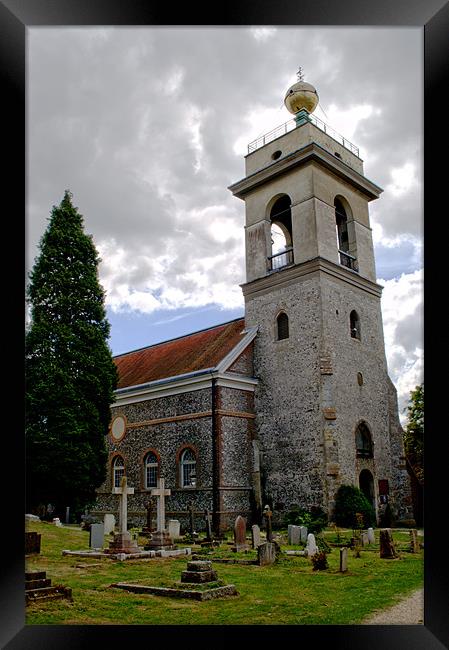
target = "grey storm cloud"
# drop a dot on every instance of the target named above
(140, 124)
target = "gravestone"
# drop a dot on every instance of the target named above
(208, 521)
(303, 531)
(371, 538)
(96, 536)
(364, 538)
(311, 546)
(267, 553)
(56, 521)
(240, 535)
(109, 523)
(32, 542)
(387, 549)
(255, 536)
(414, 544)
(67, 515)
(294, 535)
(268, 514)
(148, 528)
(174, 528)
(122, 542)
(199, 571)
(343, 560)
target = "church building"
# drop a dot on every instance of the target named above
(287, 403)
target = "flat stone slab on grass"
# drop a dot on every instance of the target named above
(143, 555)
(207, 594)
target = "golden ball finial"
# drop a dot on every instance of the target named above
(301, 95)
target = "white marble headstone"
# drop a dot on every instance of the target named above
(109, 523)
(311, 547)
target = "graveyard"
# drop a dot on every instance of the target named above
(270, 583)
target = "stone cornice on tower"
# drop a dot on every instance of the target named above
(310, 153)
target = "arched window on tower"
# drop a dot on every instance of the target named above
(282, 326)
(363, 441)
(151, 470)
(281, 234)
(341, 224)
(354, 324)
(118, 471)
(187, 467)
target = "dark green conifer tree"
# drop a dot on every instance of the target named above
(70, 374)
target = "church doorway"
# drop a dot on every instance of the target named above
(366, 483)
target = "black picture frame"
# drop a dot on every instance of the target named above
(433, 17)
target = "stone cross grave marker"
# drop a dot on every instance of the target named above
(312, 548)
(240, 534)
(343, 560)
(123, 492)
(268, 514)
(160, 492)
(255, 536)
(207, 518)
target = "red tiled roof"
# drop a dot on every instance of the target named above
(197, 351)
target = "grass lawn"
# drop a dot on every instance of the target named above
(287, 593)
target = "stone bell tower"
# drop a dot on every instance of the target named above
(326, 408)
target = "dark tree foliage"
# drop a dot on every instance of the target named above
(349, 502)
(414, 433)
(70, 374)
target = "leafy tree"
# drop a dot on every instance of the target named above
(70, 374)
(350, 503)
(414, 432)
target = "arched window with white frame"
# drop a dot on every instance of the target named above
(118, 471)
(151, 466)
(187, 466)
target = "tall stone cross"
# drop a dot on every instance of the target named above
(160, 492)
(123, 492)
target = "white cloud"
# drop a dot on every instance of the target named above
(402, 310)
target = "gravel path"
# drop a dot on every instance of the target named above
(409, 611)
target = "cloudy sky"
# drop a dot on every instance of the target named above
(148, 126)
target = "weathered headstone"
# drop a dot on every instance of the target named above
(56, 521)
(174, 528)
(240, 534)
(255, 536)
(387, 549)
(109, 523)
(343, 560)
(267, 553)
(364, 538)
(67, 515)
(32, 542)
(371, 538)
(414, 544)
(303, 531)
(208, 521)
(311, 546)
(294, 535)
(96, 536)
(268, 514)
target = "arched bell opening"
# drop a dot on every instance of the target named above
(281, 233)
